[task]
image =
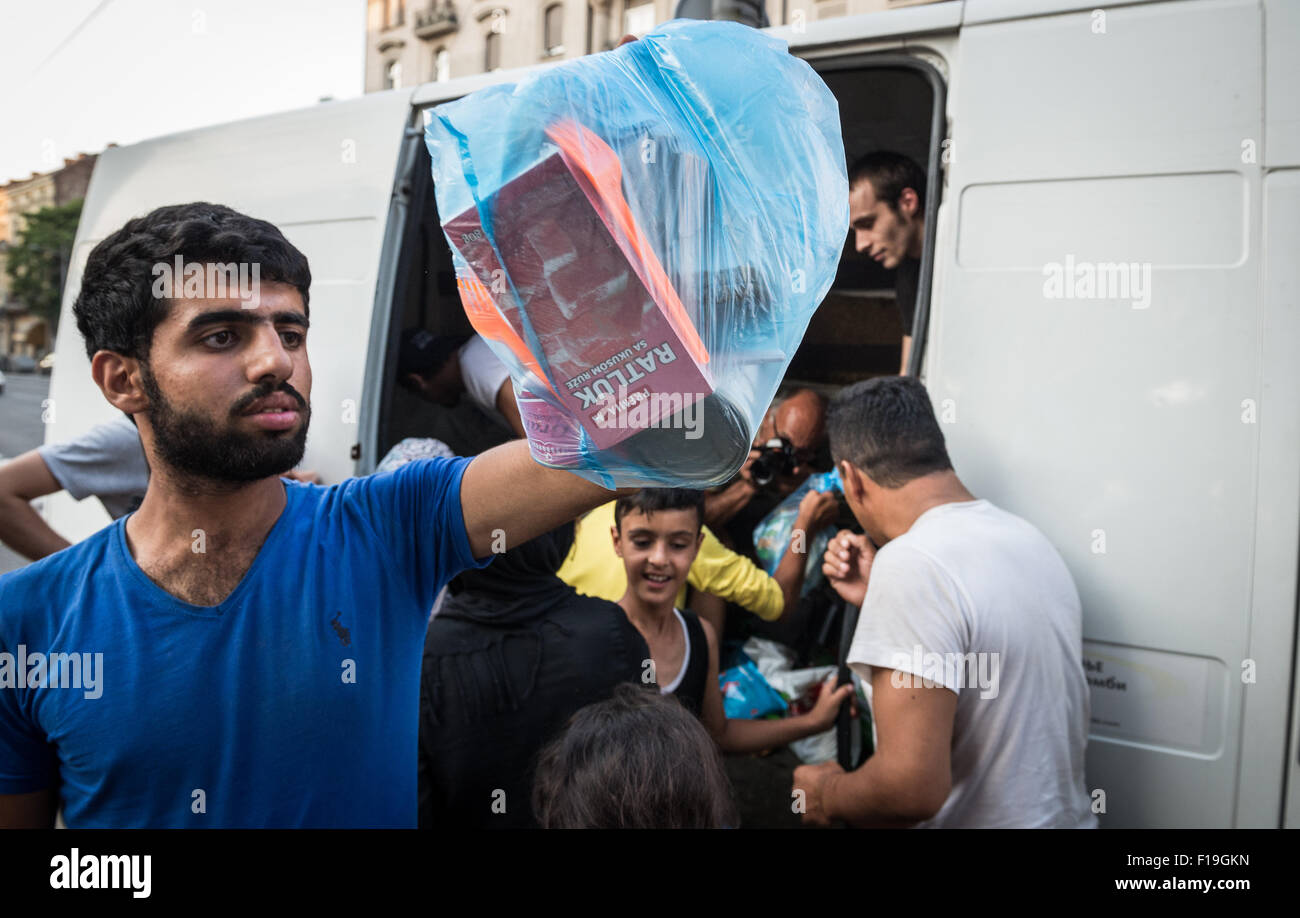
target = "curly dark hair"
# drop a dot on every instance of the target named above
(116, 309)
(638, 760)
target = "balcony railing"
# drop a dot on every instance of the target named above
(438, 19)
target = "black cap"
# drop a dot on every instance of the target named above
(423, 353)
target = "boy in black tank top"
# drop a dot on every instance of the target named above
(657, 533)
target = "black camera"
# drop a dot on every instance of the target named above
(776, 458)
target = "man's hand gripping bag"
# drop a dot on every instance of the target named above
(642, 236)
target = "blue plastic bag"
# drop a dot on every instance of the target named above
(746, 695)
(772, 535)
(642, 237)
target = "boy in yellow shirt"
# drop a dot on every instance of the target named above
(593, 568)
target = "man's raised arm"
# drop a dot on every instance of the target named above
(506, 495)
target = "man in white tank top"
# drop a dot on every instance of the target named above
(970, 636)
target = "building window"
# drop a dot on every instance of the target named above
(553, 30)
(396, 12)
(393, 75)
(492, 52)
(591, 28)
(442, 65)
(639, 19)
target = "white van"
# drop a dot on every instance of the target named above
(1147, 422)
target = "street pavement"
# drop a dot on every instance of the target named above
(21, 429)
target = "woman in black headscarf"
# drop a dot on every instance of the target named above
(508, 658)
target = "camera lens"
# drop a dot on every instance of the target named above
(763, 469)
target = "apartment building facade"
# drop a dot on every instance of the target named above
(409, 42)
(20, 331)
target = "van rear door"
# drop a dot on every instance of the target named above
(325, 177)
(1099, 350)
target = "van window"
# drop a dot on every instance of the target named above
(858, 330)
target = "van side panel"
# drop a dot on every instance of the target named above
(1094, 353)
(324, 175)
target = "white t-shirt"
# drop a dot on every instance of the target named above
(979, 601)
(483, 375)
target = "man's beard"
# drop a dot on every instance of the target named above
(198, 448)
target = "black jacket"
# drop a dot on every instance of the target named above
(507, 660)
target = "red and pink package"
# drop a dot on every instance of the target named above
(609, 335)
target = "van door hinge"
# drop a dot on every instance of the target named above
(356, 451)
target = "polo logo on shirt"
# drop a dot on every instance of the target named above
(345, 636)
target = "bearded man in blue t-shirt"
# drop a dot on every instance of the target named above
(242, 650)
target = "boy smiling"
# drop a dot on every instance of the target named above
(657, 532)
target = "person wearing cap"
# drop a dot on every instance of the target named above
(442, 368)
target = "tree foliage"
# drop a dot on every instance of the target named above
(38, 261)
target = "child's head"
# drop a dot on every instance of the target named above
(657, 532)
(637, 760)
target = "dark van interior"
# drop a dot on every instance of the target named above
(887, 102)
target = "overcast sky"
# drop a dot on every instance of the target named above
(76, 75)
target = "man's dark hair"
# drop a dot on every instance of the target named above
(889, 173)
(638, 760)
(887, 428)
(651, 500)
(116, 308)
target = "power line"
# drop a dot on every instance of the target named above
(73, 34)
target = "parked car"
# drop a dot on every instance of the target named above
(21, 363)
